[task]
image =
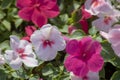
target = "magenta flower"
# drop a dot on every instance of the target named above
(84, 56)
(29, 31)
(37, 11)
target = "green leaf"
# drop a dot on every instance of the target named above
(18, 22)
(116, 76)
(2, 15)
(92, 31)
(5, 45)
(78, 34)
(7, 24)
(6, 3)
(3, 75)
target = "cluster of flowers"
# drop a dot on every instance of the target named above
(84, 60)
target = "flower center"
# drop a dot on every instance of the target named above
(20, 51)
(107, 20)
(47, 43)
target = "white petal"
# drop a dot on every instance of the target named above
(29, 51)
(59, 42)
(10, 55)
(30, 62)
(46, 54)
(14, 42)
(93, 75)
(23, 44)
(36, 38)
(16, 64)
(73, 77)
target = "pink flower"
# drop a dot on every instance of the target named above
(21, 53)
(84, 25)
(47, 41)
(89, 76)
(85, 14)
(84, 56)
(113, 36)
(29, 31)
(37, 11)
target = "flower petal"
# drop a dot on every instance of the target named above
(30, 62)
(26, 13)
(51, 13)
(14, 42)
(72, 46)
(76, 66)
(96, 62)
(46, 54)
(39, 18)
(16, 64)
(23, 3)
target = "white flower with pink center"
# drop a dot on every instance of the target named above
(21, 53)
(104, 23)
(47, 41)
(98, 6)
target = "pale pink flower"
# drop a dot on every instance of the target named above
(37, 11)
(84, 56)
(113, 36)
(89, 76)
(98, 6)
(21, 53)
(104, 23)
(47, 41)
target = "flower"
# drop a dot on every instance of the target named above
(104, 23)
(29, 31)
(37, 11)
(2, 60)
(89, 76)
(47, 41)
(21, 53)
(113, 36)
(96, 7)
(84, 56)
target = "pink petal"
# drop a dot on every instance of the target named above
(53, 12)
(29, 30)
(84, 25)
(96, 62)
(26, 13)
(76, 66)
(23, 3)
(39, 18)
(48, 4)
(27, 38)
(72, 46)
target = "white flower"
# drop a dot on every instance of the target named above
(2, 60)
(47, 41)
(89, 76)
(98, 6)
(21, 53)
(104, 23)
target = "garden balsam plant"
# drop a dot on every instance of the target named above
(59, 40)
